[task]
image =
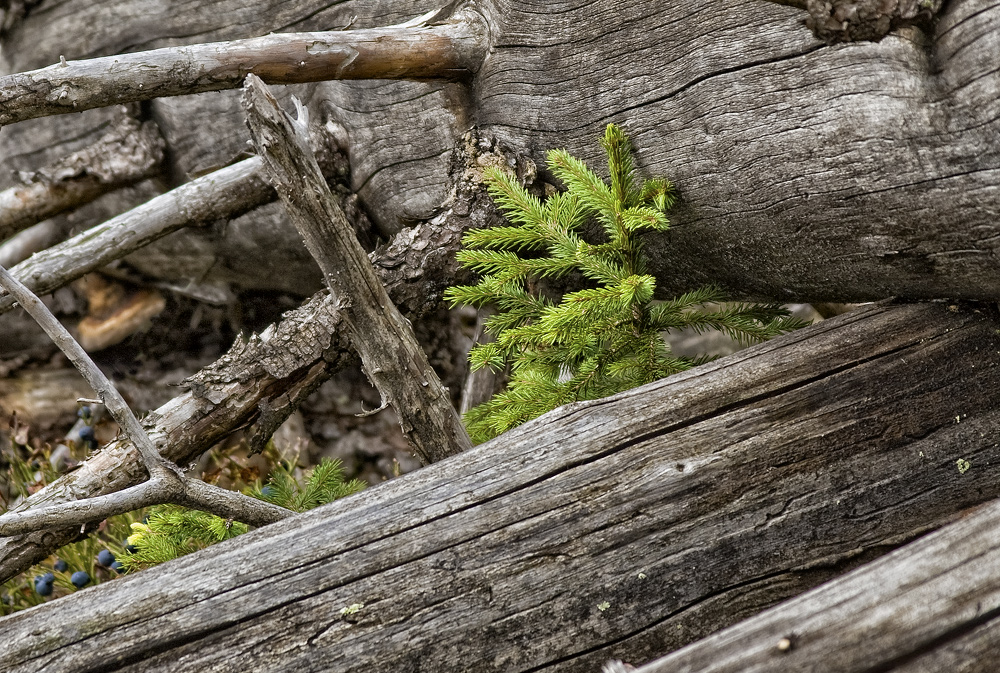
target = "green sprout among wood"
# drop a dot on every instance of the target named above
(172, 531)
(596, 341)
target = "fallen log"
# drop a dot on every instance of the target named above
(929, 607)
(807, 171)
(625, 527)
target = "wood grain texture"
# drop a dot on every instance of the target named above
(807, 171)
(624, 527)
(931, 606)
(128, 153)
(221, 195)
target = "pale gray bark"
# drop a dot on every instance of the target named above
(377, 331)
(807, 171)
(619, 528)
(259, 377)
(221, 195)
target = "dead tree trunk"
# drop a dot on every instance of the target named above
(808, 171)
(625, 527)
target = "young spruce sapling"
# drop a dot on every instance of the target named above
(606, 337)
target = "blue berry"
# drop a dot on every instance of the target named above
(84, 413)
(129, 548)
(105, 558)
(267, 491)
(87, 434)
(80, 579)
(118, 567)
(48, 578)
(60, 566)
(43, 588)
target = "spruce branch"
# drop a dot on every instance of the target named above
(597, 340)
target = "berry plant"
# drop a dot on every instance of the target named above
(144, 538)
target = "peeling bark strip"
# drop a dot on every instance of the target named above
(262, 372)
(624, 527)
(856, 20)
(420, 49)
(224, 194)
(931, 607)
(389, 351)
(129, 152)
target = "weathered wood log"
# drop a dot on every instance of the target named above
(930, 607)
(807, 171)
(624, 527)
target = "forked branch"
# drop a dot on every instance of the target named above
(166, 482)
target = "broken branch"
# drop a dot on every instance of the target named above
(383, 338)
(129, 152)
(449, 50)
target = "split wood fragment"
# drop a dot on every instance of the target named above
(384, 339)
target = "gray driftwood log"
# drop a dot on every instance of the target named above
(808, 171)
(625, 527)
(931, 607)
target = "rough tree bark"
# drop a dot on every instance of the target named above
(807, 171)
(624, 527)
(846, 172)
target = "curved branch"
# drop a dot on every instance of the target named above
(451, 50)
(101, 384)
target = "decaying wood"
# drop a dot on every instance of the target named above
(257, 376)
(166, 482)
(377, 331)
(129, 152)
(931, 607)
(421, 49)
(851, 20)
(624, 527)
